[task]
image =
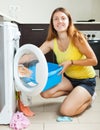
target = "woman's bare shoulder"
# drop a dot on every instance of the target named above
(49, 43)
(47, 46)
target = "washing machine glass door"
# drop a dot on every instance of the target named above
(30, 69)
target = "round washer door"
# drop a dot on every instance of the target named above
(32, 58)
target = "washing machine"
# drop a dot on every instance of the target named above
(10, 81)
(9, 43)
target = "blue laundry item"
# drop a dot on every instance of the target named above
(30, 81)
(32, 67)
(64, 119)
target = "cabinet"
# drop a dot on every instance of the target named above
(35, 34)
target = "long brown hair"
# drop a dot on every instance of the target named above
(72, 31)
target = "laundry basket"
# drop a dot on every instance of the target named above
(54, 77)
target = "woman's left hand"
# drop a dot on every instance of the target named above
(65, 65)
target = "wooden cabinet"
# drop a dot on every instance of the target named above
(35, 34)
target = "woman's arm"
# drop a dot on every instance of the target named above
(86, 49)
(46, 46)
(26, 58)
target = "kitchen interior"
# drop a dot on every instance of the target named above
(32, 18)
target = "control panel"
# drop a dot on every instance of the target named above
(92, 35)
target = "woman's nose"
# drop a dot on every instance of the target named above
(59, 20)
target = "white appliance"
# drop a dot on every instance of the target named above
(10, 54)
(9, 43)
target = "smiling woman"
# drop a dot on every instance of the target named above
(77, 58)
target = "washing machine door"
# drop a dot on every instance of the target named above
(30, 69)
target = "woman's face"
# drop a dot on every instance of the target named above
(60, 21)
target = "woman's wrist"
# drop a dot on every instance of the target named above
(72, 62)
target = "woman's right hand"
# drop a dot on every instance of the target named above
(24, 71)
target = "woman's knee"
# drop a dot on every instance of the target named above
(70, 110)
(67, 111)
(45, 94)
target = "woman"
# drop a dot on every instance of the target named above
(73, 52)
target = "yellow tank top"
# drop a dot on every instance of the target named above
(72, 53)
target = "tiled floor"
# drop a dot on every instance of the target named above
(46, 112)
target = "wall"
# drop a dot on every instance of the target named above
(96, 9)
(32, 11)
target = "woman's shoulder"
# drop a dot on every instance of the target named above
(50, 43)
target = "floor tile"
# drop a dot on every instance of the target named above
(89, 117)
(66, 126)
(35, 127)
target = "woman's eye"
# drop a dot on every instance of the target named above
(55, 19)
(63, 18)
(58, 19)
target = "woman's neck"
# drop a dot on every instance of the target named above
(63, 42)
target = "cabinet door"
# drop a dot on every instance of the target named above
(35, 34)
